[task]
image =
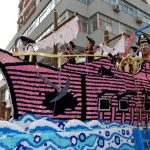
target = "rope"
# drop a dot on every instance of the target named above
(46, 81)
(141, 29)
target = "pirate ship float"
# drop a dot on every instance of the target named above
(66, 105)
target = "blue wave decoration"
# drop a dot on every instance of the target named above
(36, 133)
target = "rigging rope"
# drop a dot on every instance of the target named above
(141, 29)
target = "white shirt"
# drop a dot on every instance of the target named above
(29, 48)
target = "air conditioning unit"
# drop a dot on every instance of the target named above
(116, 7)
(139, 20)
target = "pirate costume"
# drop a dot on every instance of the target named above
(143, 43)
(90, 49)
(27, 42)
(70, 51)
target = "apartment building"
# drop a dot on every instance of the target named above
(35, 17)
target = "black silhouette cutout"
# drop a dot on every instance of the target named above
(67, 101)
(107, 72)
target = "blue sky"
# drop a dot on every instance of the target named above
(8, 21)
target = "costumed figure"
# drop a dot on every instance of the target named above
(115, 59)
(143, 43)
(27, 46)
(70, 50)
(90, 49)
(137, 55)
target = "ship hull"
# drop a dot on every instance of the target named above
(97, 90)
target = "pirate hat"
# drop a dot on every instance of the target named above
(90, 40)
(143, 39)
(134, 47)
(26, 39)
(72, 44)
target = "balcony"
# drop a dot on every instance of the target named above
(26, 3)
(29, 11)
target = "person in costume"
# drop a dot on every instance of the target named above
(143, 43)
(28, 47)
(70, 50)
(135, 52)
(89, 49)
(27, 44)
(137, 55)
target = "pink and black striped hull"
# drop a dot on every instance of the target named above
(88, 86)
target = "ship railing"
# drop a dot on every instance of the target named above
(125, 61)
(136, 63)
(58, 56)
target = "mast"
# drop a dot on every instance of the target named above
(55, 47)
(56, 27)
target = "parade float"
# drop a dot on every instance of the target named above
(90, 105)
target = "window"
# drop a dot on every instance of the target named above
(122, 28)
(101, 22)
(83, 24)
(147, 104)
(126, 29)
(94, 23)
(108, 26)
(123, 105)
(50, 7)
(130, 9)
(86, 1)
(70, 13)
(89, 1)
(111, 2)
(29, 11)
(83, 1)
(30, 30)
(97, 22)
(135, 13)
(104, 105)
(42, 16)
(115, 27)
(62, 17)
(107, 1)
(125, 8)
(46, 32)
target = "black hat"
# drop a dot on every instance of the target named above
(143, 39)
(90, 40)
(134, 47)
(24, 38)
(72, 44)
